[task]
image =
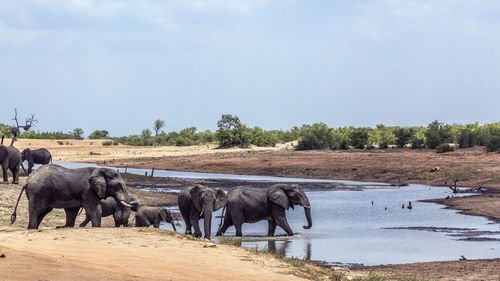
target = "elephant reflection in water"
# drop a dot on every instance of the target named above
(281, 248)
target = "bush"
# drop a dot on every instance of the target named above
(403, 136)
(359, 137)
(99, 134)
(317, 136)
(437, 133)
(107, 143)
(493, 144)
(442, 148)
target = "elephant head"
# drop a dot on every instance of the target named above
(166, 215)
(206, 201)
(286, 196)
(25, 155)
(107, 182)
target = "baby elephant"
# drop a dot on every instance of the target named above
(147, 215)
(120, 213)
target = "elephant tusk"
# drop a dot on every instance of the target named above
(125, 204)
(201, 214)
(308, 207)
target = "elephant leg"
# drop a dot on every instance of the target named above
(117, 216)
(185, 215)
(283, 223)
(279, 217)
(238, 225)
(271, 228)
(4, 171)
(30, 167)
(15, 175)
(194, 218)
(85, 222)
(71, 214)
(227, 223)
(41, 215)
(37, 208)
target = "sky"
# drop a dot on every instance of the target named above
(120, 65)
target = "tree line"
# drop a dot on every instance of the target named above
(232, 132)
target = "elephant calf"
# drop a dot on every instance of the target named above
(147, 215)
(110, 206)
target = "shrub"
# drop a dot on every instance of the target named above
(437, 133)
(359, 137)
(60, 142)
(99, 134)
(317, 136)
(403, 136)
(442, 148)
(493, 144)
(107, 143)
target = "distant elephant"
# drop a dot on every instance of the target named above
(110, 206)
(148, 215)
(247, 204)
(197, 201)
(11, 160)
(36, 156)
(52, 186)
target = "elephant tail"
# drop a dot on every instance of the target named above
(221, 218)
(13, 216)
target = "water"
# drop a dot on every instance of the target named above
(348, 229)
(195, 175)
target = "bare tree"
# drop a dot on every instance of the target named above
(16, 130)
(158, 124)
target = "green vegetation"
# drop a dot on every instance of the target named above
(99, 134)
(232, 132)
(230, 241)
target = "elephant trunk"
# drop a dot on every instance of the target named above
(173, 225)
(307, 212)
(207, 220)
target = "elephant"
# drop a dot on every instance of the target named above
(197, 201)
(148, 215)
(110, 206)
(53, 186)
(36, 156)
(11, 160)
(247, 204)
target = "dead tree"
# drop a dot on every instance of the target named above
(16, 130)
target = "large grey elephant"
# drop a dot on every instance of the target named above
(10, 158)
(148, 215)
(197, 201)
(52, 186)
(247, 204)
(35, 156)
(111, 207)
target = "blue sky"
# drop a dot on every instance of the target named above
(119, 65)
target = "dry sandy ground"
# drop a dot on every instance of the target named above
(129, 254)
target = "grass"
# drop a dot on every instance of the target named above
(230, 241)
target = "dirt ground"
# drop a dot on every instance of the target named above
(471, 167)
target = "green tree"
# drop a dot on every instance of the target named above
(317, 136)
(78, 133)
(146, 133)
(437, 133)
(359, 137)
(157, 125)
(99, 134)
(403, 135)
(232, 132)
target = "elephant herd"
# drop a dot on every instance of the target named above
(102, 192)
(11, 159)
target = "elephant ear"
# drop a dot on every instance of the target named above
(220, 199)
(98, 183)
(277, 195)
(196, 196)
